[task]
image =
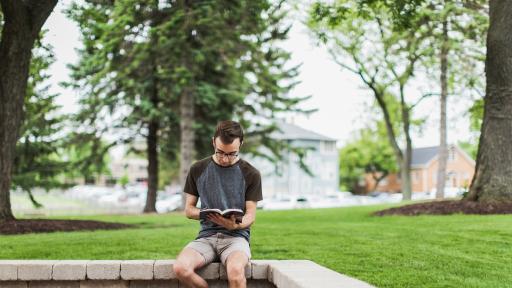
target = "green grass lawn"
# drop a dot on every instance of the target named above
(425, 251)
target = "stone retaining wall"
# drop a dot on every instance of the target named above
(159, 274)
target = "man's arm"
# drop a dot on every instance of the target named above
(191, 211)
(250, 215)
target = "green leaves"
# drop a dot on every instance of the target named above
(368, 152)
(140, 58)
(331, 14)
(38, 162)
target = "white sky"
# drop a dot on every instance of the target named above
(335, 93)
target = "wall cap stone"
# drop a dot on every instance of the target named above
(282, 273)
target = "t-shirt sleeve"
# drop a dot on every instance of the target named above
(253, 192)
(190, 183)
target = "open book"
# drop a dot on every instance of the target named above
(239, 214)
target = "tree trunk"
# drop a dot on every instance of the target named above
(187, 136)
(407, 156)
(493, 173)
(402, 160)
(377, 179)
(406, 169)
(443, 146)
(405, 181)
(153, 130)
(23, 22)
(152, 150)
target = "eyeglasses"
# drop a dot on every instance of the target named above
(230, 156)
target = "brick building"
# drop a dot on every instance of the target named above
(459, 171)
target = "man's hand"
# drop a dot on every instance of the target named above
(228, 223)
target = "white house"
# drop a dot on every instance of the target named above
(289, 178)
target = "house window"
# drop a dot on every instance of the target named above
(451, 154)
(327, 146)
(466, 179)
(331, 172)
(417, 175)
(451, 179)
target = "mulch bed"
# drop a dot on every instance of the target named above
(25, 226)
(449, 207)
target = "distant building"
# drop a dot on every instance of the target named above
(136, 169)
(289, 178)
(460, 168)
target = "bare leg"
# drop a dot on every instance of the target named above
(185, 265)
(235, 267)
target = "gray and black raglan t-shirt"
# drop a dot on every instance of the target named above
(223, 187)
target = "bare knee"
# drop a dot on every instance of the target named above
(182, 271)
(236, 273)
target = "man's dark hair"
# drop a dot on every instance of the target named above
(228, 131)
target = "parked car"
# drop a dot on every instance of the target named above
(134, 198)
(111, 199)
(261, 203)
(166, 203)
(326, 201)
(286, 203)
(450, 192)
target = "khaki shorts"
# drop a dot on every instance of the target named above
(219, 246)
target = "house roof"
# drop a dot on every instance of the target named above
(421, 156)
(293, 132)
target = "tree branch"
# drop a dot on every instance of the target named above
(423, 97)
